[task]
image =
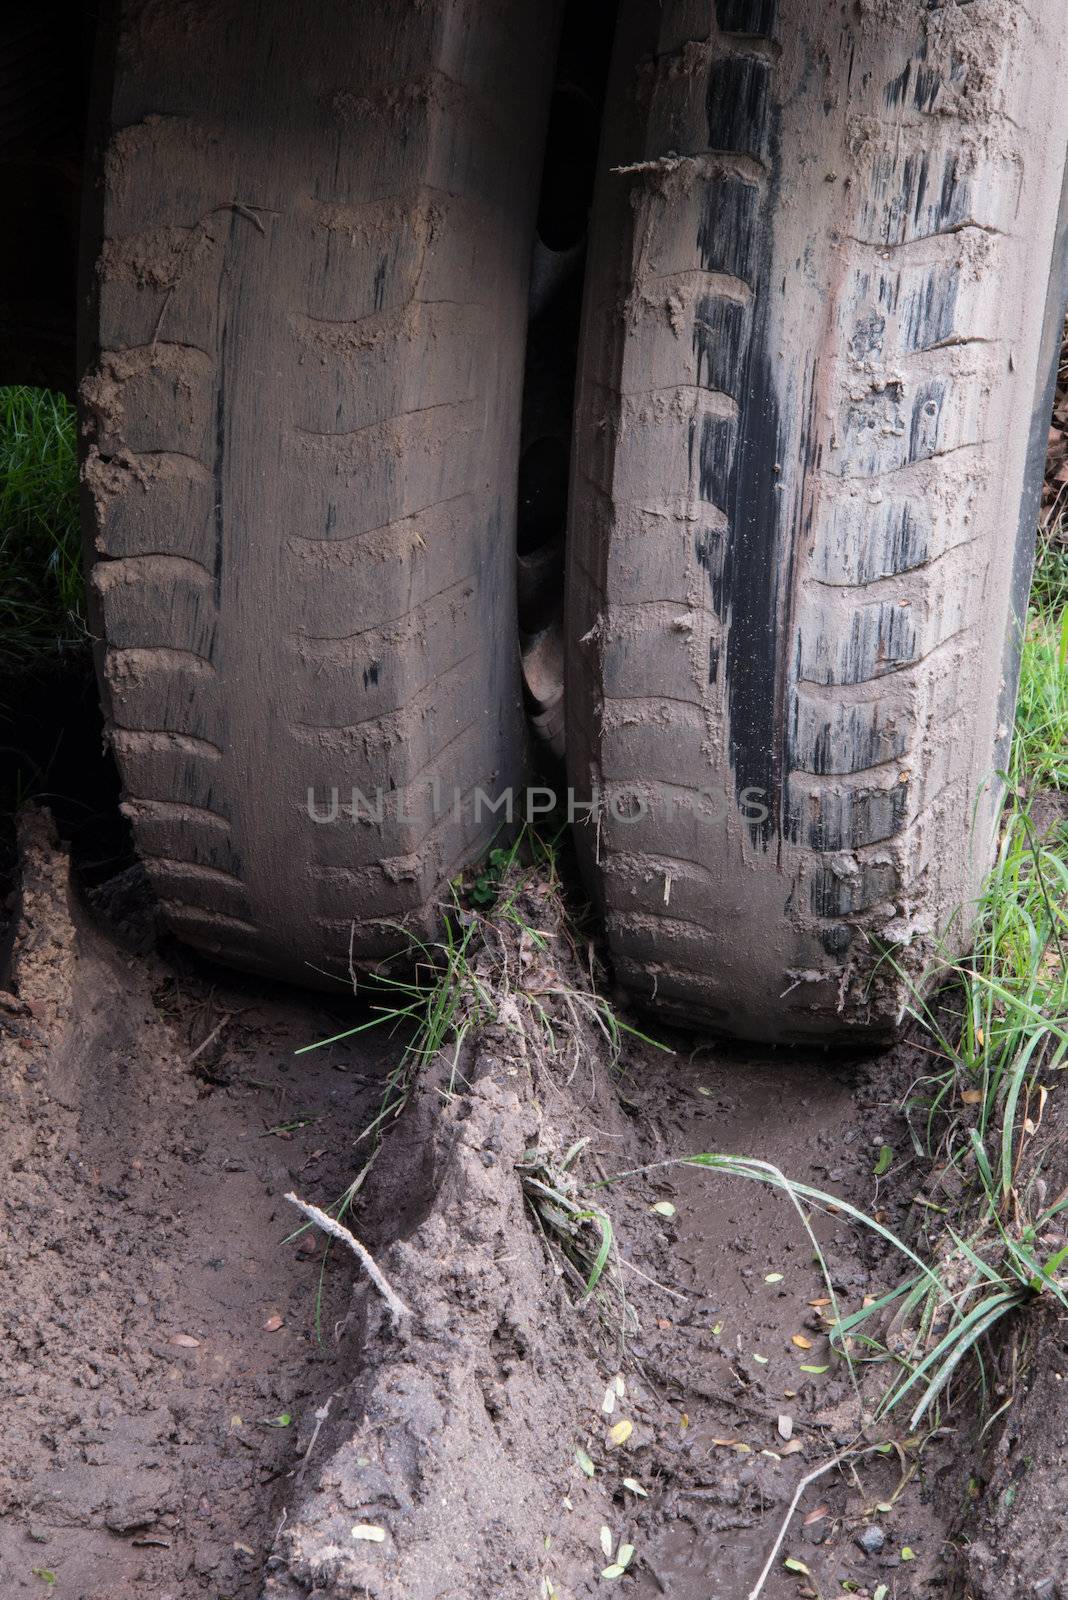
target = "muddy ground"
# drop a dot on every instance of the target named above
(194, 1403)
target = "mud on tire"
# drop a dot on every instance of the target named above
(301, 416)
(814, 344)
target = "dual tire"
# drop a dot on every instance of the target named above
(824, 290)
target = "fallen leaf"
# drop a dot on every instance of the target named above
(763, 1360)
(614, 1571)
(619, 1385)
(816, 1515)
(606, 1539)
(717, 1330)
(584, 1462)
(635, 1487)
(727, 1444)
(821, 1300)
(773, 1277)
(243, 1549)
(282, 1420)
(663, 1208)
(800, 1341)
(907, 1553)
(803, 1368)
(881, 1592)
(624, 1555)
(184, 1341)
(792, 1448)
(971, 1097)
(369, 1531)
(785, 1426)
(621, 1431)
(608, 1404)
(885, 1161)
(704, 1089)
(980, 1037)
(272, 1324)
(793, 1565)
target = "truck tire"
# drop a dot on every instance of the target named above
(301, 423)
(824, 298)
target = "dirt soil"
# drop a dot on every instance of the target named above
(160, 1329)
(144, 1258)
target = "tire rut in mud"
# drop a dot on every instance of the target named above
(143, 1206)
(475, 1440)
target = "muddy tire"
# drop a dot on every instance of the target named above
(820, 317)
(302, 421)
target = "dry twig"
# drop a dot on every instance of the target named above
(336, 1231)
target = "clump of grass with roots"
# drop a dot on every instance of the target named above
(493, 967)
(42, 613)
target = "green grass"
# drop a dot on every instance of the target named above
(1040, 755)
(1049, 588)
(41, 589)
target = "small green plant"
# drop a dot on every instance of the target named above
(582, 1233)
(41, 589)
(486, 886)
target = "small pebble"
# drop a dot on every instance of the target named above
(870, 1539)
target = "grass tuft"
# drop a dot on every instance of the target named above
(42, 613)
(500, 963)
(1041, 745)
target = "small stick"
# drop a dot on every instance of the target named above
(676, 1294)
(227, 1017)
(320, 1417)
(852, 1453)
(396, 1305)
(817, 1472)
